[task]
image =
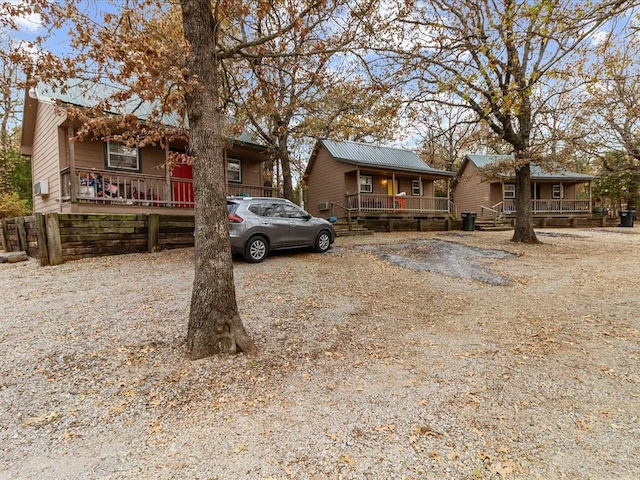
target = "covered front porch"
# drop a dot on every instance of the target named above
(378, 193)
(549, 199)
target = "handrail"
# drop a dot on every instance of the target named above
(453, 209)
(348, 210)
(495, 213)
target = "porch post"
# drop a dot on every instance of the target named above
(448, 195)
(393, 191)
(72, 162)
(167, 172)
(358, 187)
(590, 199)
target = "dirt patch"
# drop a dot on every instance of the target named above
(448, 258)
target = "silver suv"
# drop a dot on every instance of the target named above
(258, 225)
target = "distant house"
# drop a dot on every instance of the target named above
(558, 193)
(369, 181)
(97, 176)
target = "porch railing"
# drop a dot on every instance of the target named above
(551, 206)
(397, 203)
(236, 189)
(105, 186)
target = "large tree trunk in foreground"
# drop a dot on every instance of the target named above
(523, 231)
(214, 322)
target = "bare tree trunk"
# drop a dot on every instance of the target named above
(285, 161)
(214, 322)
(523, 231)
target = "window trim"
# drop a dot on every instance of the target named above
(416, 183)
(368, 184)
(556, 195)
(510, 193)
(108, 153)
(239, 171)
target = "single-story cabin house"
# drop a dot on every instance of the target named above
(357, 180)
(102, 176)
(557, 193)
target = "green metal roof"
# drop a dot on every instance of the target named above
(86, 93)
(537, 172)
(367, 155)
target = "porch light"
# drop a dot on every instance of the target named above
(384, 182)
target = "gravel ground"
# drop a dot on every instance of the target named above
(399, 356)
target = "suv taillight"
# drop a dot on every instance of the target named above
(234, 218)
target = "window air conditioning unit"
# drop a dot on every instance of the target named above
(323, 206)
(41, 187)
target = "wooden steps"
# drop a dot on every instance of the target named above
(490, 226)
(343, 229)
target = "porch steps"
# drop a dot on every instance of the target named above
(490, 226)
(342, 229)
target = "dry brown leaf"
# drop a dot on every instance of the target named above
(42, 420)
(501, 469)
(347, 458)
(384, 428)
(120, 408)
(425, 431)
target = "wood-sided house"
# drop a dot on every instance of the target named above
(95, 176)
(361, 180)
(557, 193)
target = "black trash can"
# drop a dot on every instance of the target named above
(627, 217)
(468, 221)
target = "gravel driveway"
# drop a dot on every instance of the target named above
(399, 356)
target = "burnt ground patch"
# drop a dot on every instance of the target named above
(439, 256)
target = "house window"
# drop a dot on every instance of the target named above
(122, 157)
(557, 191)
(234, 170)
(509, 190)
(366, 184)
(415, 187)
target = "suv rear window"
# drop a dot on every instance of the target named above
(231, 207)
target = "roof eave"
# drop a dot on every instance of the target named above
(394, 167)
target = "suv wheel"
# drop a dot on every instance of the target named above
(323, 241)
(256, 250)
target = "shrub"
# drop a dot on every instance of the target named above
(11, 205)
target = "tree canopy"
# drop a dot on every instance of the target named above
(505, 61)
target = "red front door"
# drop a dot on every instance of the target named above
(182, 185)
